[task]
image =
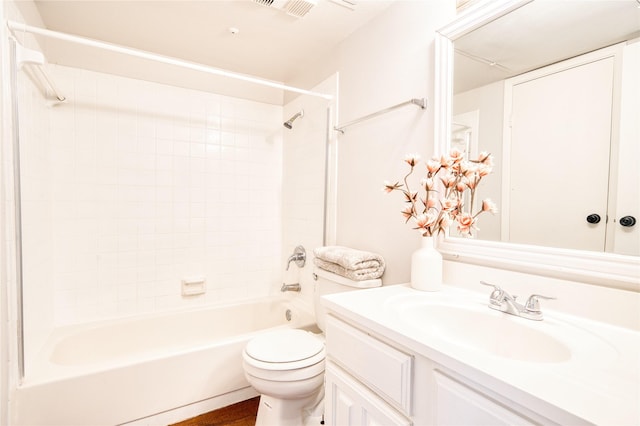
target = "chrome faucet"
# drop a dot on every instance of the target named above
(290, 287)
(299, 256)
(502, 301)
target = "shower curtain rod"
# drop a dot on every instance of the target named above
(17, 26)
(422, 103)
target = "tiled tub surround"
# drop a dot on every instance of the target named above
(170, 366)
(151, 184)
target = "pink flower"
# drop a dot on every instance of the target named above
(449, 204)
(456, 155)
(449, 181)
(424, 221)
(408, 213)
(465, 167)
(433, 166)
(471, 183)
(410, 197)
(427, 183)
(389, 187)
(443, 202)
(431, 203)
(446, 161)
(466, 223)
(485, 158)
(484, 169)
(412, 159)
(445, 221)
(489, 206)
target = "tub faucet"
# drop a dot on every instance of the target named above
(290, 287)
(502, 301)
(299, 256)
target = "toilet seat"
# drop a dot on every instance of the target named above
(282, 350)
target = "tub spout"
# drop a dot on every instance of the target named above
(290, 287)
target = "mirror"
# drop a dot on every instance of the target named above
(484, 59)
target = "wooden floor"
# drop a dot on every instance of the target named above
(240, 414)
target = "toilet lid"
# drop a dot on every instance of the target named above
(284, 346)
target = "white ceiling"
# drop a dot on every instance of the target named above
(270, 44)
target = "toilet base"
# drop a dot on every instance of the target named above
(289, 412)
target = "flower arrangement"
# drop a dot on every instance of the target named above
(443, 201)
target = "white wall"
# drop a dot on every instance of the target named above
(386, 62)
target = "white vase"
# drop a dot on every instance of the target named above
(426, 267)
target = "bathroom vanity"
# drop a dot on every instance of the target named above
(403, 357)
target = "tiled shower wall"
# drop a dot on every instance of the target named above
(151, 184)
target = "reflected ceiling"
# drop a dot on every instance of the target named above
(541, 33)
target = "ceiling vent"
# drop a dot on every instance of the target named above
(267, 3)
(299, 8)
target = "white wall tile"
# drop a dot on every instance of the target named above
(151, 183)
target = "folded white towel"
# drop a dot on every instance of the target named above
(351, 263)
(356, 275)
(349, 258)
(323, 273)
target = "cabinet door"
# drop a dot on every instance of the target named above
(458, 404)
(349, 403)
(387, 370)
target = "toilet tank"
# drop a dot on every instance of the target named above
(329, 283)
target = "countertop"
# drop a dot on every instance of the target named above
(598, 383)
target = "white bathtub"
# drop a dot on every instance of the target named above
(120, 371)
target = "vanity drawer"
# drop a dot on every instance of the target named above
(385, 369)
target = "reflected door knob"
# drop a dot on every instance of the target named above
(627, 221)
(593, 218)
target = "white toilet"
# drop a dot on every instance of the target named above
(287, 367)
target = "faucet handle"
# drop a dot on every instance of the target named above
(497, 295)
(299, 257)
(533, 304)
(490, 285)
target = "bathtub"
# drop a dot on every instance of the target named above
(122, 371)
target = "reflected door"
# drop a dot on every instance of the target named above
(560, 134)
(626, 234)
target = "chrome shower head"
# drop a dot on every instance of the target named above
(289, 123)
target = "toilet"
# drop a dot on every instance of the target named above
(287, 366)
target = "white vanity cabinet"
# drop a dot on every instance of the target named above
(461, 402)
(349, 402)
(371, 380)
(366, 380)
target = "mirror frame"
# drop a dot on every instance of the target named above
(597, 268)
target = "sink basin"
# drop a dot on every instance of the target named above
(485, 330)
(467, 322)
